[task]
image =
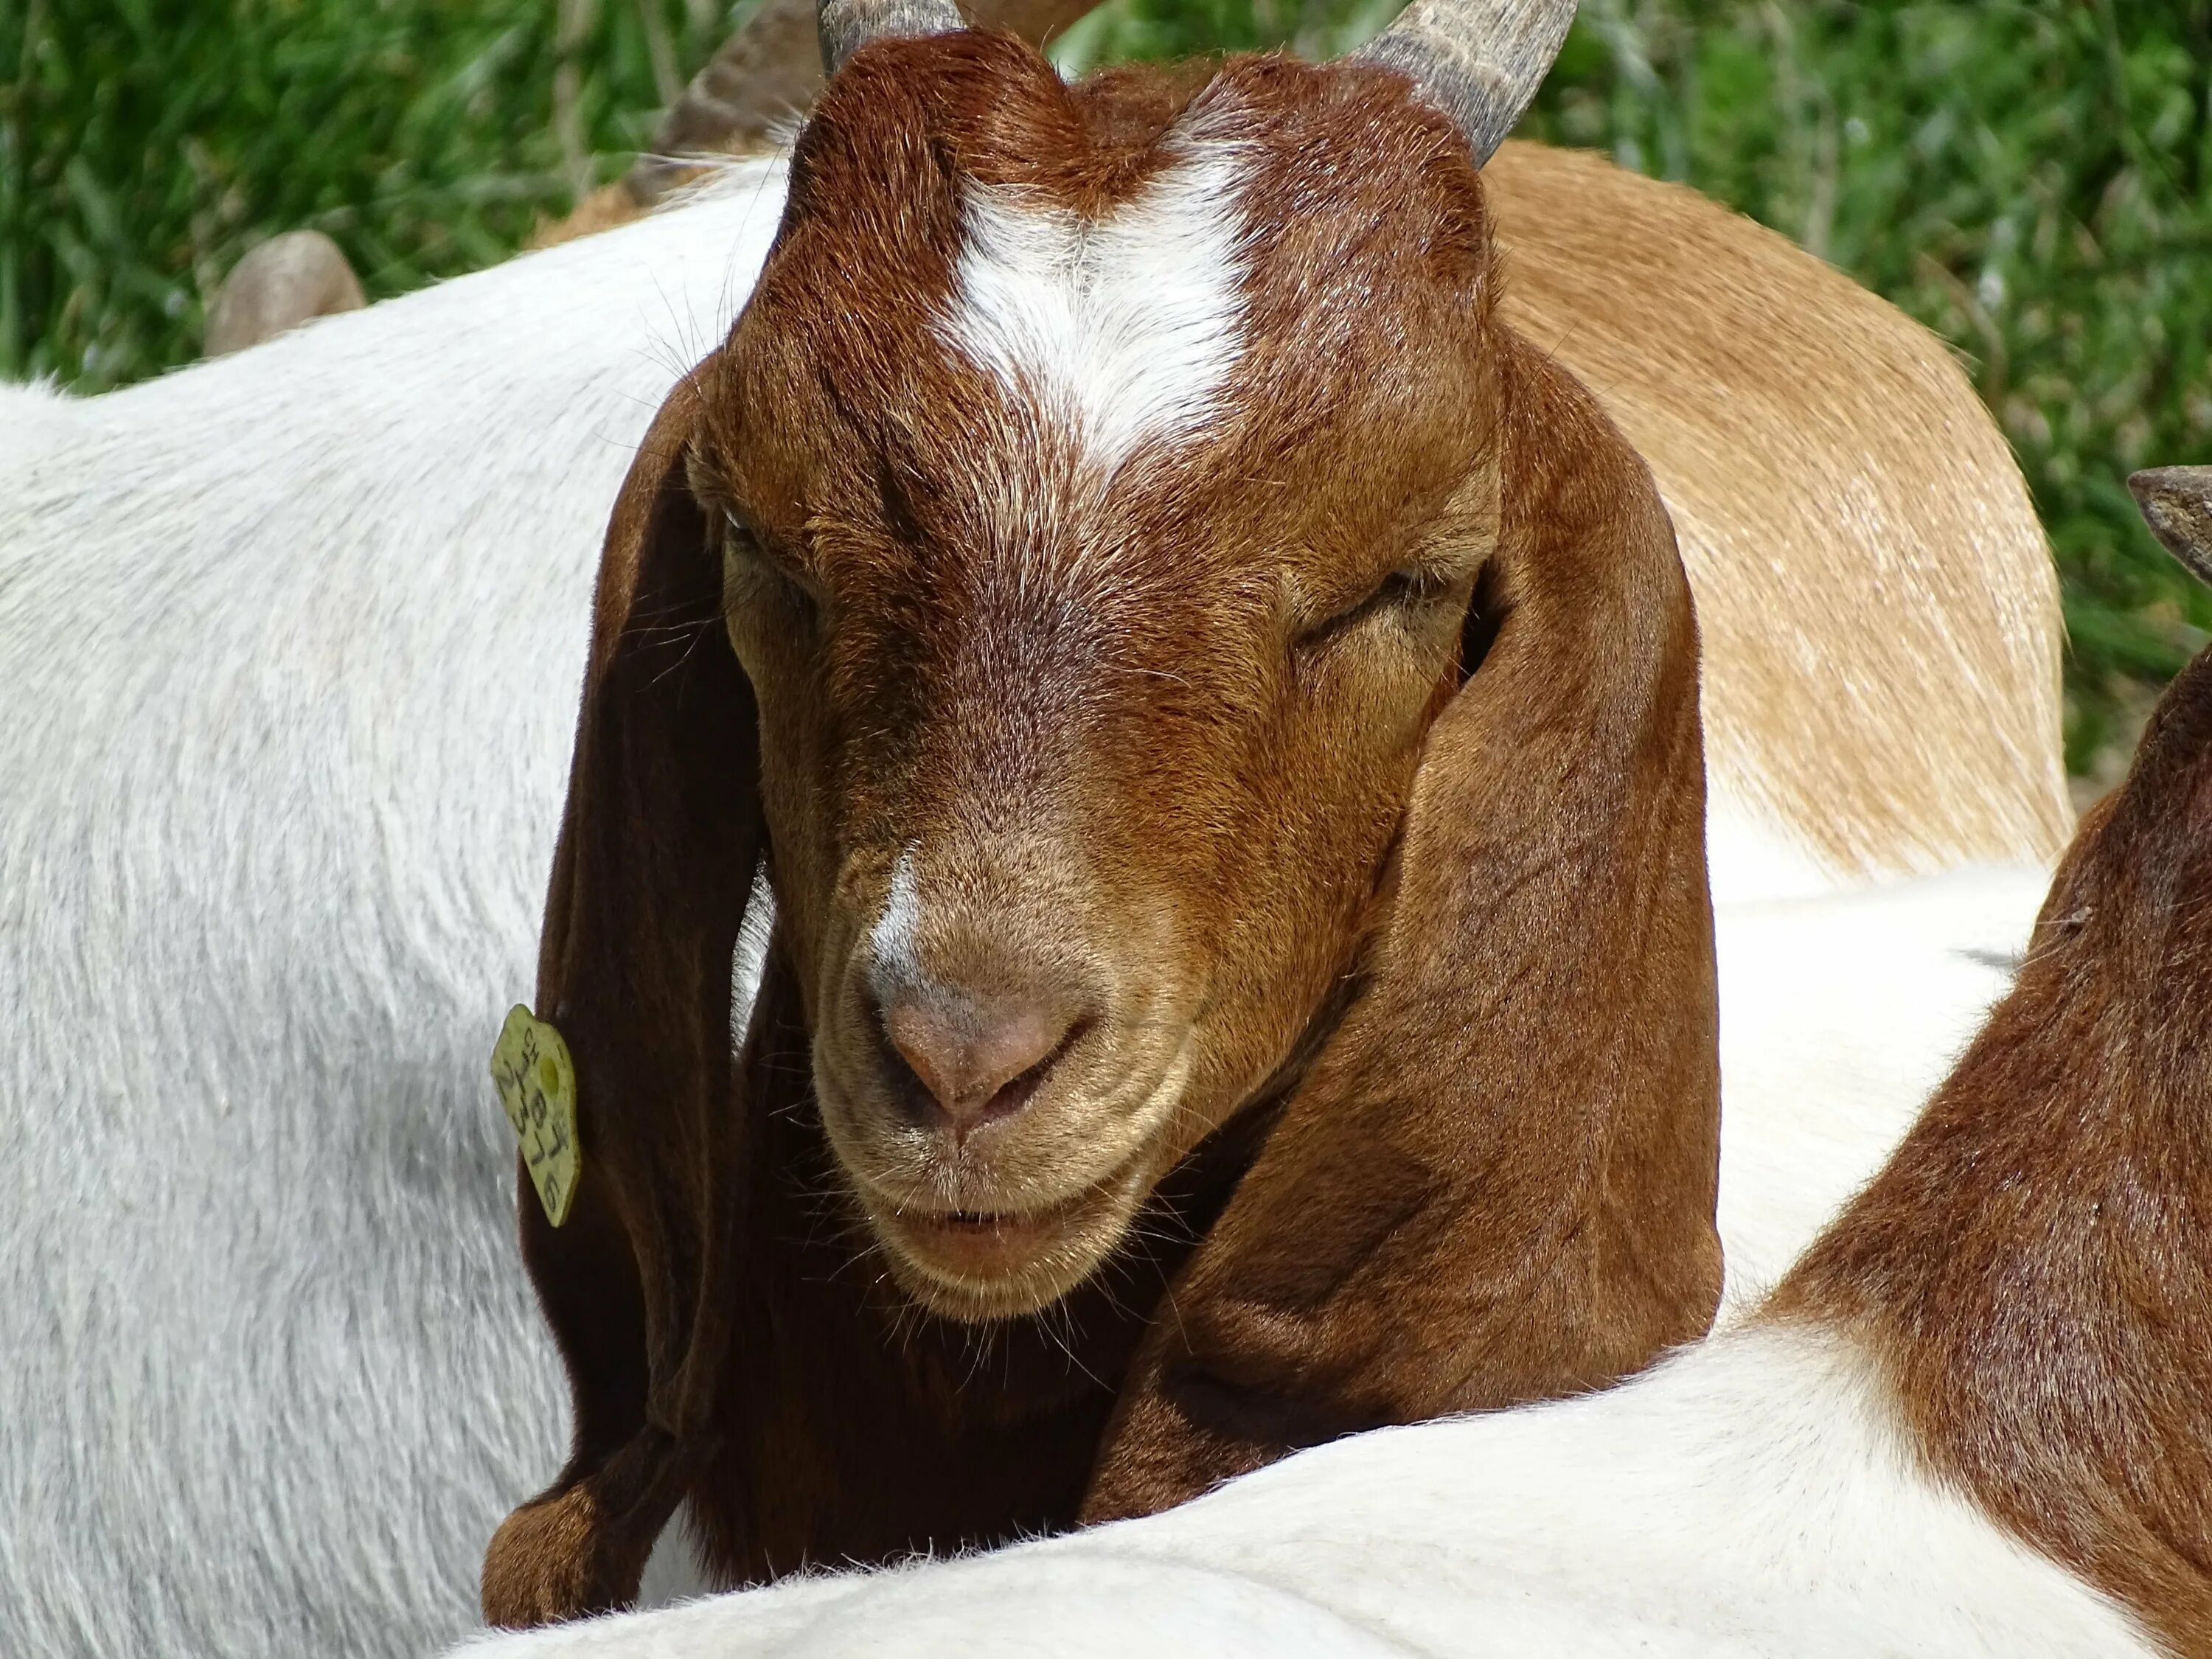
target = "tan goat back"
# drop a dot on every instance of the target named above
(1879, 611)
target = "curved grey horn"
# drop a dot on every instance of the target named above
(846, 26)
(1478, 61)
(769, 73)
(2176, 502)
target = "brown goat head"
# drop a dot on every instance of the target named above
(1102, 532)
(1193, 669)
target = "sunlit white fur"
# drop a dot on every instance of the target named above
(1749, 856)
(1123, 328)
(292, 642)
(1754, 1495)
(1838, 1016)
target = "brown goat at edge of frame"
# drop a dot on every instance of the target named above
(2032, 1270)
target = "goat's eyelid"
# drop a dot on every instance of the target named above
(1408, 587)
(742, 538)
(742, 544)
(739, 541)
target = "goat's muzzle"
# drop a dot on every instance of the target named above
(998, 1100)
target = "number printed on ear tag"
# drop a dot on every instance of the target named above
(538, 1085)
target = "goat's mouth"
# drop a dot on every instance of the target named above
(977, 1264)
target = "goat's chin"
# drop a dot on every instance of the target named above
(975, 1267)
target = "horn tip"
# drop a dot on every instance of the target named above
(2176, 502)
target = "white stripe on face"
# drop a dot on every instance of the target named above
(1124, 328)
(894, 950)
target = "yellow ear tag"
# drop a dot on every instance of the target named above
(538, 1085)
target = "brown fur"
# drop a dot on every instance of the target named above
(1437, 1227)
(608, 207)
(1879, 609)
(2034, 1267)
(1396, 893)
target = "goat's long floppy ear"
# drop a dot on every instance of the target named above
(1496, 1183)
(656, 859)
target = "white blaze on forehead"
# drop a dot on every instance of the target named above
(1123, 327)
(894, 949)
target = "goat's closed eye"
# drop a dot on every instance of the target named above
(1401, 591)
(751, 574)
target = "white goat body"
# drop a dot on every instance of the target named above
(292, 642)
(1754, 1495)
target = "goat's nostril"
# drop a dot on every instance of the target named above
(978, 1061)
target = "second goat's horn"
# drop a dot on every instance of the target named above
(2176, 502)
(848, 25)
(1479, 62)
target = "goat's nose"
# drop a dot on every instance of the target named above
(978, 1059)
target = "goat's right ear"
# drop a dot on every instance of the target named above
(656, 856)
(1495, 1181)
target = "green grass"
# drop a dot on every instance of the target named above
(146, 144)
(2033, 180)
(2029, 180)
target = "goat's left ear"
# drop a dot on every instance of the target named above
(658, 847)
(1497, 1182)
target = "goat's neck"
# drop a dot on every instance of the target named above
(2033, 1268)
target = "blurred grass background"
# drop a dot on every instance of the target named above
(2031, 178)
